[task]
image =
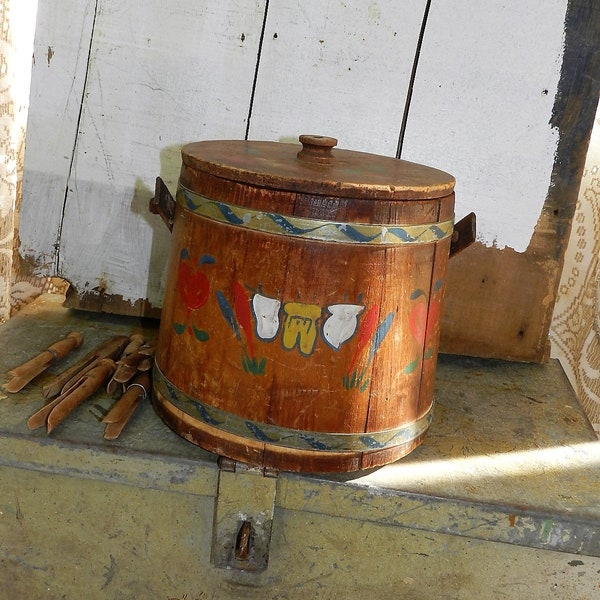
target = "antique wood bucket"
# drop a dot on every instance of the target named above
(300, 321)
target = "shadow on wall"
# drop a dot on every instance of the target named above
(170, 166)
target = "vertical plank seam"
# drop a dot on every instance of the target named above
(75, 142)
(434, 259)
(256, 69)
(367, 423)
(411, 82)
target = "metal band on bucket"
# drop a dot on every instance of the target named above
(314, 229)
(283, 436)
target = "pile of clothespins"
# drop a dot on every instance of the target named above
(122, 362)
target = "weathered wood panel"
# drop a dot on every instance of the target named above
(494, 101)
(340, 69)
(514, 120)
(57, 83)
(145, 96)
(159, 75)
(481, 109)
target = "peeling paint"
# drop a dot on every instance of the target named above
(97, 301)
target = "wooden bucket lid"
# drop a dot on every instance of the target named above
(317, 168)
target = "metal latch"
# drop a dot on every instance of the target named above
(243, 517)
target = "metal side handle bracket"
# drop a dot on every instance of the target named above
(163, 203)
(464, 234)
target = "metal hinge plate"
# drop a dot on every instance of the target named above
(243, 516)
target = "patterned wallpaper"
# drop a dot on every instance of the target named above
(12, 132)
(17, 26)
(575, 331)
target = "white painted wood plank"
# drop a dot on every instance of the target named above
(337, 68)
(164, 73)
(161, 74)
(58, 75)
(481, 108)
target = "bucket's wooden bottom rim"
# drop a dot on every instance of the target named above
(256, 451)
(276, 435)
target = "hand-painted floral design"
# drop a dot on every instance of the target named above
(370, 338)
(341, 325)
(422, 322)
(194, 288)
(266, 315)
(239, 318)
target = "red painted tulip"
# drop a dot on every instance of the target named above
(193, 286)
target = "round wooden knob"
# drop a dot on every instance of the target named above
(317, 149)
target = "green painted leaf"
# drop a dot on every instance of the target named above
(245, 363)
(201, 336)
(252, 365)
(179, 327)
(410, 367)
